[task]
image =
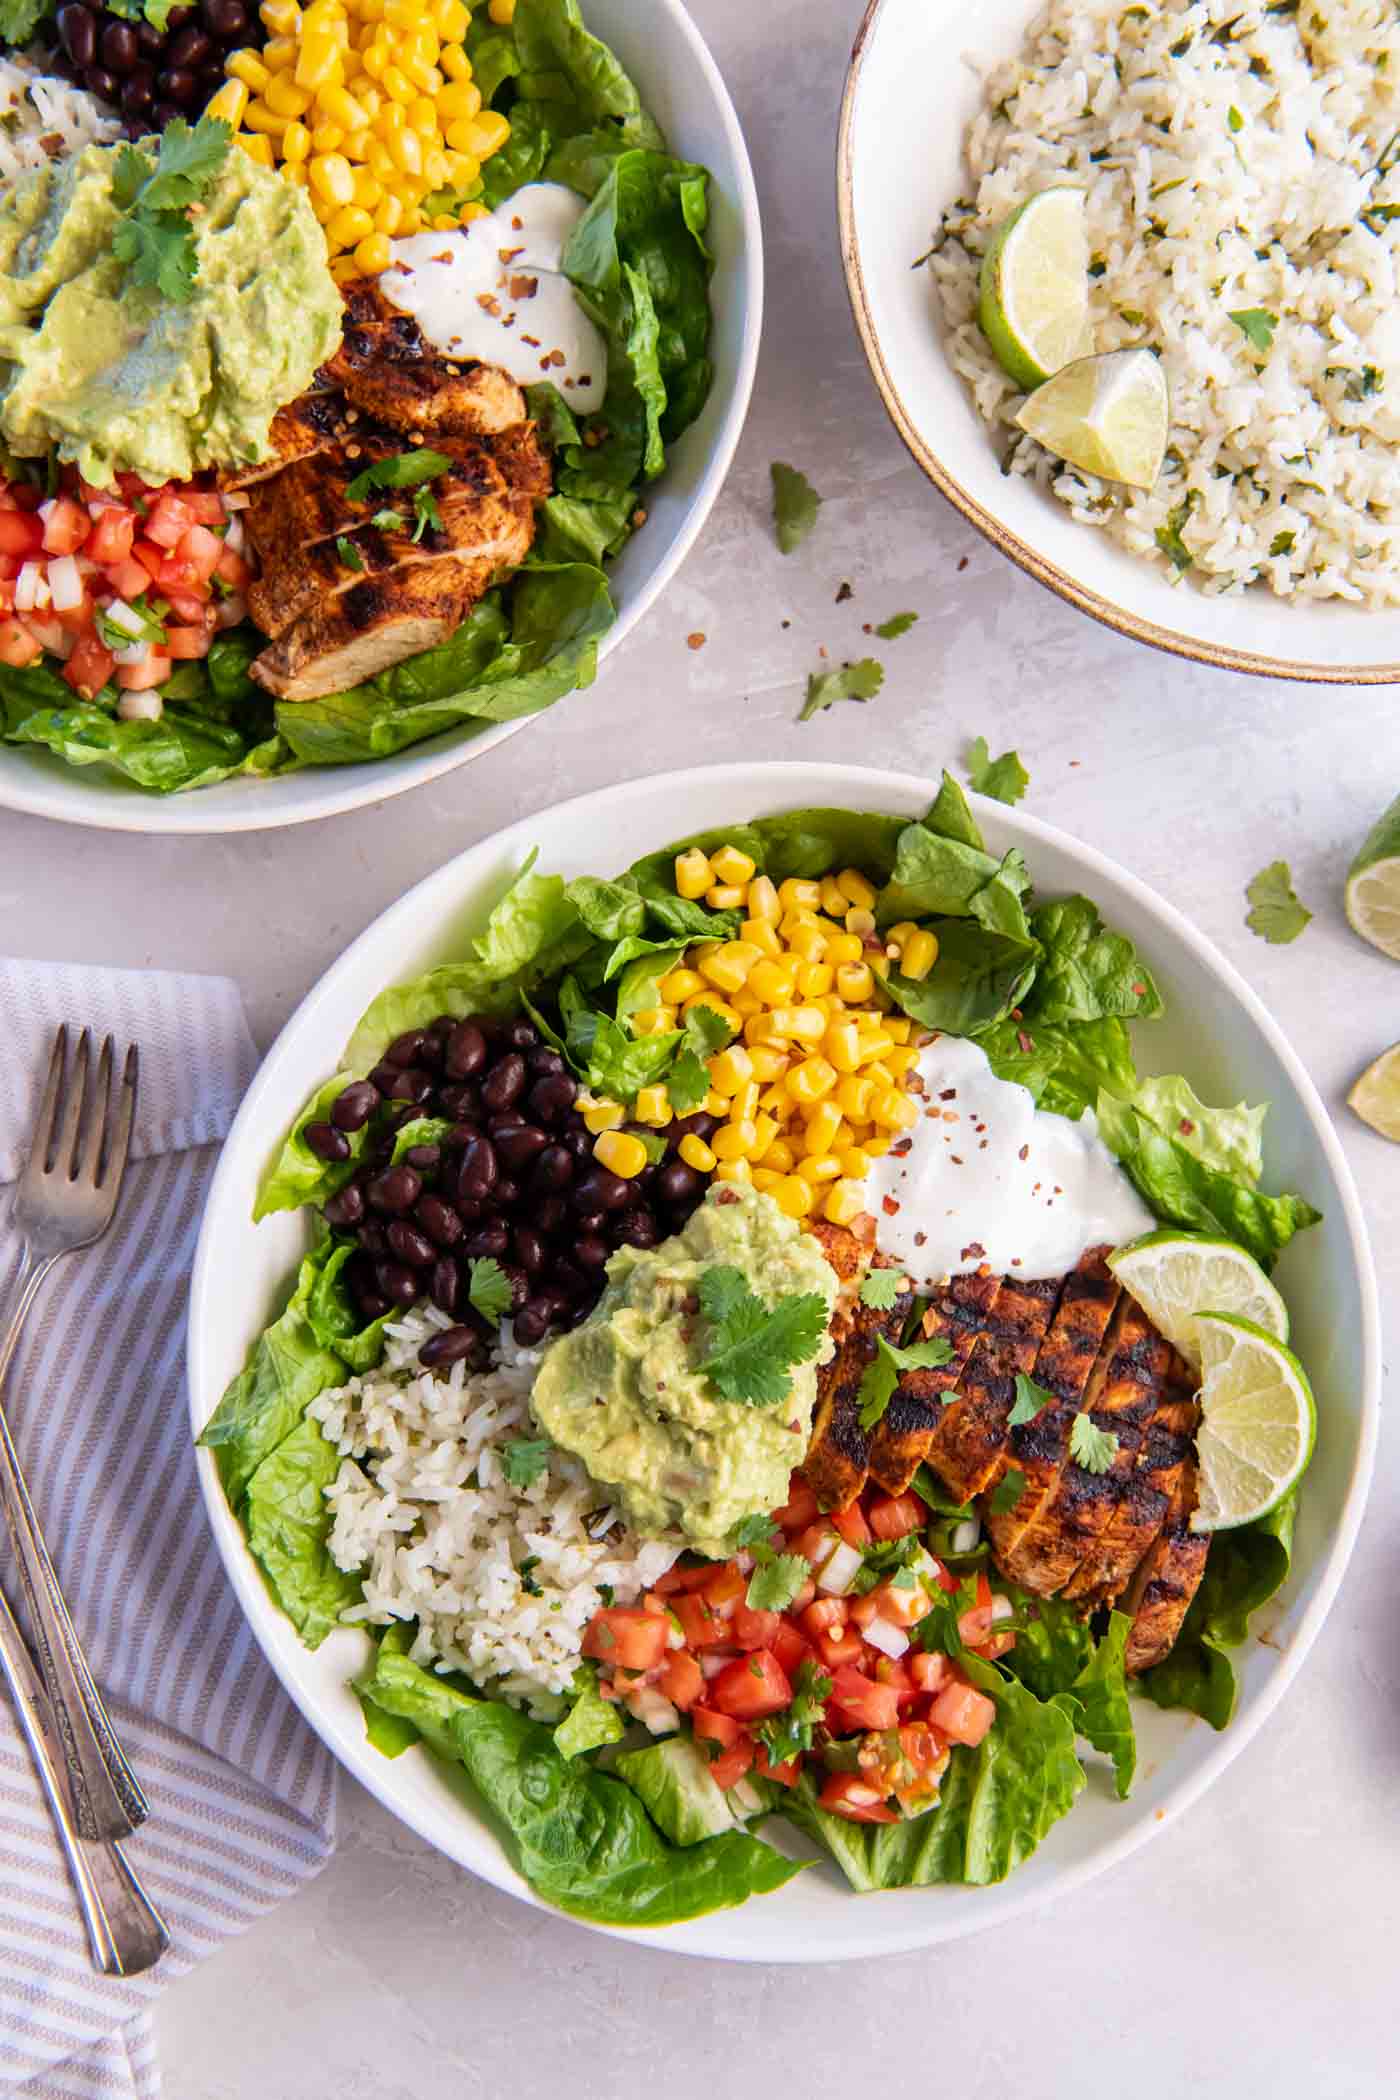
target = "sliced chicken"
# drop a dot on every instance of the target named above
(838, 1455)
(386, 369)
(1167, 1579)
(1146, 1494)
(306, 426)
(970, 1436)
(959, 1311)
(351, 636)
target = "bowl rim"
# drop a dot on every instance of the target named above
(1171, 641)
(760, 783)
(181, 816)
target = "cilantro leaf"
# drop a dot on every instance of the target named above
(1007, 1492)
(795, 506)
(1005, 779)
(899, 623)
(525, 1459)
(388, 521)
(787, 1734)
(1168, 536)
(349, 553)
(756, 1530)
(888, 1366)
(155, 239)
(932, 1493)
(1282, 543)
(688, 1082)
(402, 470)
(753, 1345)
(160, 255)
(1091, 1447)
(1256, 323)
(881, 1288)
(1031, 1400)
(426, 513)
(1234, 119)
(774, 1583)
(489, 1289)
(130, 173)
(187, 163)
(858, 681)
(888, 1558)
(1277, 915)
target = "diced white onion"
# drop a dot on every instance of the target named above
(890, 1640)
(235, 539)
(826, 1545)
(674, 1637)
(29, 583)
(141, 707)
(46, 509)
(840, 1570)
(711, 1664)
(653, 1709)
(230, 610)
(966, 1535)
(1002, 1608)
(125, 616)
(744, 1563)
(133, 655)
(65, 583)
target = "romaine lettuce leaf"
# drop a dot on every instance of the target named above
(1064, 1065)
(333, 1319)
(1087, 971)
(978, 979)
(672, 1781)
(264, 1404)
(423, 1700)
(1182, 1190)
(289, 1524)
(1228, 1138)
(298, 1175)
(1100, 1691)
(591, 1721)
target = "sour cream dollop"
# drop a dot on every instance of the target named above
(989, 1177)
(495, 291)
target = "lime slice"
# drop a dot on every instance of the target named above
(1034, 307)
(1258, 1422)
(1373, 887)
(1376, 1095)
(1173, 1275)
(1106, 415)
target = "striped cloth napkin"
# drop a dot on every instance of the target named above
(242, 1795)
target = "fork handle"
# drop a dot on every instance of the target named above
(126, 1933)
(107, 1798)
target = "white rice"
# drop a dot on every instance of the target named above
(1232, 158)
(422, 1505)
(43, 119)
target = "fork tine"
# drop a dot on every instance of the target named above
(65, 1148)
(53, 1086)
(114, 1166)
(87, 1166)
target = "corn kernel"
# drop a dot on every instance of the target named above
(746, 1005)
(653, 1107)
(734, 1170)
(455, 64)
(817, 1168)
(833, 903)
(695, 1152)
(796, 895)
(822, 1129)
(899, 1062)
(892, 1110)
(860, 920)
(855, 888)
(249, 68)
(855, 1162)
(845, 1200)
(601, 1116)
(492, 131)
(406, 152)
(296, 144)
(763, 935)
(340, 107)
(809, 943)
(331, 177)
(853, 1096)
(780, 1156)
(680, 984)
(280, 17)
(920, 955)
(730, 1069)
(733, 1140)
(898, 1027)
(621, 1153)
(731, 865)
(653, 1020)
(717, 1006)
(279, 54)
(776, 1101)
(373, 60)
(810, 1081)
(805, 1024)
(715, 1104)
(317, 61)
(423, 118)
(854, 982)
(728, 968)
(899, 933)
(258, 117)
(769, 1063)
(350, 226)
(459, 102)
(367, 191)
(744, 1105)
(794, 1196)
(873, 1046)
(844, 948)
(815, 980)
(693, 874)
(774, 981)
(725, 896)
(229, 102)
(765, 1179)
(257, 148)
(502, 12)
(462, 170)
(326, 138)
(763, 900)
(765, 1136)
(841, 1043)
(451, 21)
(396, 82)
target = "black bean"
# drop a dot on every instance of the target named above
(346, 1207)
(410, 1245)
(165, 112)
(411, 1083)
(506, 1194)
(399, 1285)
(570, 1282)
(227, 18)
(327, 1142)
(426, 1158)
(466, 1051)
(457, 1136)
(519, 1284)
(354, 1105)
(545, 1060)
(478, 1171)
(383, 1077)
(503, 1084)
(103, 84)
(554, 1170)
(150, 39)
(469, 1210)
(454, 1345)
(677, 1183)
(529, 1248)
(190, 48)
(635, 1228)
(552, 1097)
(579, 1143)
(371, 1237)
(489, 1240)
(119, 48)
(439, 1030)
(396, 1190)
(439, 1220)
(179, 85)
(520, 1144)
(590, 1223)
(600, 1190)
(549, 1215)
(405, 1048)
(77, 26)
(444, 1284)
(702, 1125)
(590, 1252)
(531, 1324)
(372, 1305)
(396, 1112)
(462, 1103)
(177, 18)
(520, 1035)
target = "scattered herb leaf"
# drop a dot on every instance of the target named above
(349, 553)
(858, 681)
(1005, 779)
(881, 1288)
(524, 1460)
(795, 506)
(1007, 1492)
(489, 1289)
(774, 1583)
(1031, 1400)
(402, 470)
(1257, 324)
(883, 1374)
(899, 623)
(1276, 913)
(1091, 1447)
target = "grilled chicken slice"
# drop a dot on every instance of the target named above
(1147, 1493)
(1063, 1367)
(837, 1457)
(378, 622)
(958, 1311)
(1167, 1579)
(386, 368)
(970, 1436)
(306, 426)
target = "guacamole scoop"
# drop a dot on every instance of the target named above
(114, 376)
(626, 1391)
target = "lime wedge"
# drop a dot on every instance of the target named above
(1258, 1422)
(1376, 1095)
(1034, 307)
(1373, 886)
(1173, 1275)
(1106, 415)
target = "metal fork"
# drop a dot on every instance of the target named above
(65, 1200)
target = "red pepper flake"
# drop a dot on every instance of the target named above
(920, 1239)
(508, 255)
(890, 1206)
(1024, 1043)
(1186, 1127)
(844, 593)
(488, 302)
(726, 1196)
(524, 287)
(695, 641)
(517, 226)
(1024, 1153)
(1139, 991)
(954, 1158)
(532, 340)
(949, 1093)
(973, 1251)
(904, 1145)
(962, 565)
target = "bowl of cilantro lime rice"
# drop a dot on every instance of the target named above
(1136, 316)
(796, 1396)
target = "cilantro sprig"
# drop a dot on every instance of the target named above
(489, 1289)
(880, 1289)
(789, 1733)
(402, 470)
(888, 1366)
(525, 1459)
(156, 238)
(1005, 779)
(1276, 912)
(795, 505)
(1031, 1400)
(753, 1346)
(1091, 1447)
(858, 681)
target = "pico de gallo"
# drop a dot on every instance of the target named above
(119, 584)
(836, 1677)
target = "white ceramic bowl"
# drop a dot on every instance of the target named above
(910, 93)
(1216, 1031)
(682, 86)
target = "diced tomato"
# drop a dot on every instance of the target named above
(682, 1680)
(847, 1794)
(730, 1766)
(17, 646)
(205, 506)
(863, 1609)
(127, 577)
(823, 1615)
(895, 1516)
(112, 534)
(724, 1591)
(929, 1672)
(7, 595)
(702, 1627)
(170, 519)
(754, 1629)
(66, 526)
(900, 1607)
(26, 496)
(186, 644)
(975, 1625)
(89, 667)
(152, 559)
(963, 1714)
(232, 569)
(139, 678)
(752, 1687)
(626, 1638)
(784, 1774)
(920, 1745)
(895, 1674)
(20, 533)
(10, 566)
(860, 1702)
(789, 1647)
(200, 551)
(843, 1646)
(677, 1579)
(852, 1525)
(801, 1507)
(816, 1542)
(713, 1727)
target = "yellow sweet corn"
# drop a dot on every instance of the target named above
(621, 1153)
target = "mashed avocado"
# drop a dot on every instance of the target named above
(116, 376)
(627, 1394)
